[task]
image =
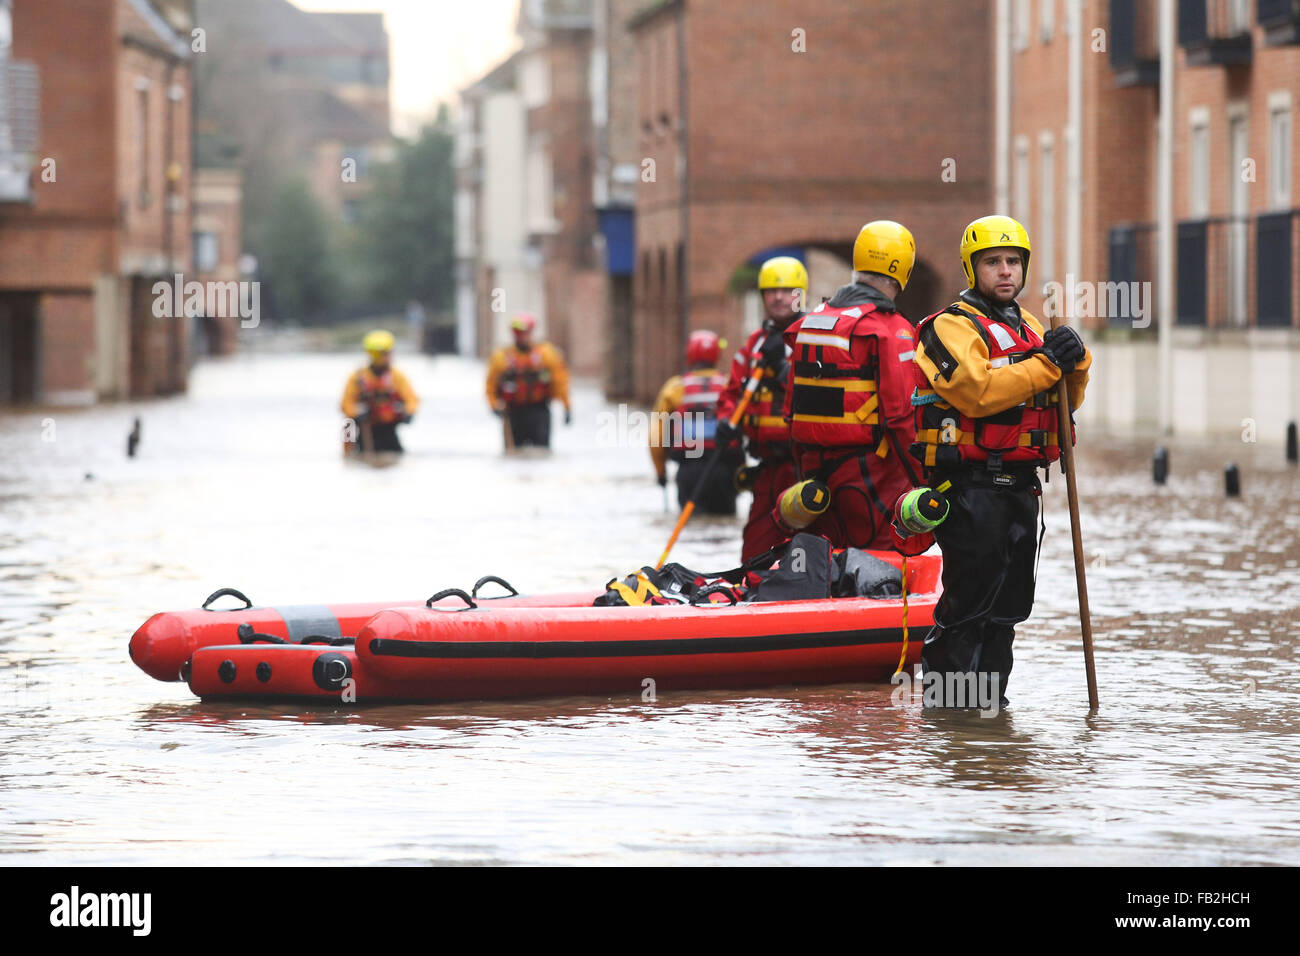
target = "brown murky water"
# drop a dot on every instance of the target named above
(1193, 758)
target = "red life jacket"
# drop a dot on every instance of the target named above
(841, 394)
(1024, 433)
(379, 394)
(526, 380)
(701, 390)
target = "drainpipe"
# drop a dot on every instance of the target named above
(1165, 220)
(1074, 143)
(1001, 107)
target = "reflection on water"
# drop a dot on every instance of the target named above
(1191, 760)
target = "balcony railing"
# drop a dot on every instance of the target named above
(1230, 272)
(1215, 32)
(1280, 20)
(1134, 47)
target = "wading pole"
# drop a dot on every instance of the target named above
(1065, 439)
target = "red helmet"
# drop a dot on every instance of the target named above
(702, 348)
(523, 322)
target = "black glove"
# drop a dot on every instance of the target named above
(404, 420)
(663, 481)
(773, 352)
(746, 477)
(1064, 348)
(568, 416)
(726, 433)
(498, 412)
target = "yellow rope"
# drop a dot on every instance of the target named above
(902, 658)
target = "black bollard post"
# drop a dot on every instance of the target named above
(133, 439)
(1292, 455)
(1232, 480)
(1160, 465)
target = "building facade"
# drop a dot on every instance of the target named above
(95, 181)
(1235, 365)
(767, 129)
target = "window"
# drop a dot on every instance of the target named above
(1198, 174)
(142, 139)
(1279, 151)
(207, 251)
(1020, 25)
(1238, 17)
(1046, 19)
(6, 28)
(1045, 248)
(1020, 183)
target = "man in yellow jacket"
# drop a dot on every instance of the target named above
(521, 381)
(683, 427)
(378, 397)
(986, 404)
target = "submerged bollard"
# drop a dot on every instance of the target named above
(1291, 452)
(1232, 480)
(1160, 465)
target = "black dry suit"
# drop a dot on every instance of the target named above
(989, 543)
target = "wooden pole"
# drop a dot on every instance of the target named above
(1065, 438)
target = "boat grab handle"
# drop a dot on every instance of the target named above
(493, 579)
(452, 592)
(222, 592)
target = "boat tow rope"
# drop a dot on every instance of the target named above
(902, 658)
(249, 636)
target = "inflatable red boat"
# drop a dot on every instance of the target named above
(162, 644)
(560, 645)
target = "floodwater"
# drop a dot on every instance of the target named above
(1193, 758)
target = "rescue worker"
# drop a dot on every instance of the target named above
(683, 425)
(378, 397)
(522, 379)
(849, 404)
(986, 404)
(783, 284)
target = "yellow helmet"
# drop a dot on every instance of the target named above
(783, 272)
(992, 232)
(380, 340)
(887, 248)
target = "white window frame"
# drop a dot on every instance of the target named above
(1281, 132)
(1198, 164)
(1046, 20)
(1045, 246)
(1020, 182)
(1020, 25)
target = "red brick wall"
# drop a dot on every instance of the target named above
(67, 325)
(803, 148)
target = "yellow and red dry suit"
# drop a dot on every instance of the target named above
(518, 377)
(683, 428)
(983, 392)
(987, 419)
(385, 398)
(768, 436)
(850, 411)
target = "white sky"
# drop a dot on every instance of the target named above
(436, 47)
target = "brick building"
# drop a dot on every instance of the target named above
(768, 128)
(528, 236)
(1236, 166)
(94, 197)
